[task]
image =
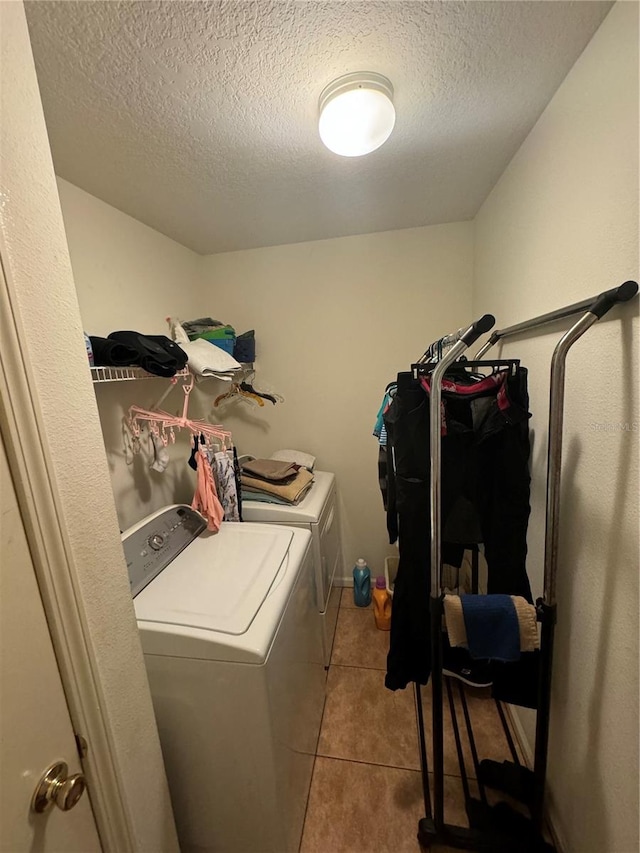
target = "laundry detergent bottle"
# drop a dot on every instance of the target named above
(361, 584)
(382, 605)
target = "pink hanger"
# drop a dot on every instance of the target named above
(160, 421)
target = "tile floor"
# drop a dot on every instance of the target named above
(366, 790)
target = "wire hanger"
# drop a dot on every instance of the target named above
(247, 385)
(243, 388)
(249, 389)
(459, 367)
(236, 390)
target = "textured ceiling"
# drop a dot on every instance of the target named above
(200, 118)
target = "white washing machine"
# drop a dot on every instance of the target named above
(317, 512)
(232, 643)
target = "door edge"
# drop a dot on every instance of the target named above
(56, 573)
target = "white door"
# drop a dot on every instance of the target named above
(35, 727)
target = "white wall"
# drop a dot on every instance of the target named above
(129, 276)
(335, 320)
(562, 224)
(36, 265)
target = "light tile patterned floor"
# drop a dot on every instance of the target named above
(358, 642)
(366, 791)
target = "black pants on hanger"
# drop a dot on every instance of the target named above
(485, 498)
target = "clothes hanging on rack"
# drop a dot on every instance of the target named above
(196, 441)
(379, 429)
(222, 465)
(495, 827)
(485, 498)
(380, 432)
(205, 499)
(237, 473)
(223, 469)
(160, 454)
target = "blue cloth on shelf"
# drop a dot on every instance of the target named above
(491, 622)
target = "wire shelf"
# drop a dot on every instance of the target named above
(124, 374)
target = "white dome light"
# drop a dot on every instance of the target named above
(356, 114)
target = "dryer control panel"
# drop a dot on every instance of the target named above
(152, 545)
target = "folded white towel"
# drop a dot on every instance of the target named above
(205, 359)
(298, 456)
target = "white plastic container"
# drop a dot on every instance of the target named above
(390, 572)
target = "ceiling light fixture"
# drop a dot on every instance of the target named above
(356, 113)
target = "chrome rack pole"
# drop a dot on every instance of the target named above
(467, 338)
(618, 294)
(547, 605)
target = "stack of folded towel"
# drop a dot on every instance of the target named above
(274, 481)
(205, 359)
(305, 460)
(492, 627)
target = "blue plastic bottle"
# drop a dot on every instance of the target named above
(361, 584)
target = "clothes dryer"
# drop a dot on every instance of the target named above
(317, 512)
(232, 644)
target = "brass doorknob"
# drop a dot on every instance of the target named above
(56, 788)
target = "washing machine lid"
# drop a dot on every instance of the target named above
(308, 511)
(219, 581)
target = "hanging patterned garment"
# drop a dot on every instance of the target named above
(205, 499)
(222, 464)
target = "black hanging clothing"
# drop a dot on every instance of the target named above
(237, 471)
(484, 495)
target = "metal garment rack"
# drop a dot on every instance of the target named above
(520, 782)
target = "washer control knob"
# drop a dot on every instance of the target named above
(156, 541)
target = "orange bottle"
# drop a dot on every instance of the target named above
(382, 605)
